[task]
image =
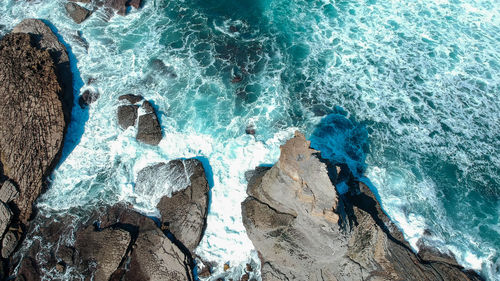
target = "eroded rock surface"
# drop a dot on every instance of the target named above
(112, 243)
(303, 230)
(32, 107)
(185, 212)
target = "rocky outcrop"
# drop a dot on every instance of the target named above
(303, 230)
(87, 98)
(77, 12)
(112, 243)
(34, 95)
(148, 126)
(184, 213)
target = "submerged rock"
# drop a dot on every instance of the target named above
(133, 99)
(293, 217)
(185, 212)
(32, 85)
(87, 98)
(77, 12)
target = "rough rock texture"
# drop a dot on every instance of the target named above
(148, 126)
(185, 212)
(292, 217)
(5, 217)
(32, 107)
(44, 39)
(8, 192)
(105, 249)
(127, 114)
(155, 257)
(9, 243)
(111, 243)
(77, 12)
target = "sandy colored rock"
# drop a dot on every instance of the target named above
(8, 192)
(303, 230)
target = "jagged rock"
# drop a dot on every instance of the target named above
(185, 212)
(292, 217)
(127, 114)
(9, 244)
(87, 98)
(8, 192)
(5, 217)
(133, 99)
(32, 85)
(148, 129)
(77, 12)
(155, 257)
(102, 251)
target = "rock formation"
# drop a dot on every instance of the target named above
(112, 243)
(303, 230)
(148, 126)
(34, 92)
(184, 214)
(77, 12)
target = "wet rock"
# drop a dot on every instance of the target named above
(102, 251)
(127, 114)
(77, 12)
(292, 217)
(33, 82)
(9, 244)
(87, 98)
(133, 99)
(8, 192)
(60, 267)
(148, 129)
(250, 130)
(5, 217)
(185, 212)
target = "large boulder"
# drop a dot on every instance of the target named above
(33, 109)
(303, 230)
(185, 212)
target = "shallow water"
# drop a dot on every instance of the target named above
(418, 81)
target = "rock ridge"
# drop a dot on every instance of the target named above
(304, 230)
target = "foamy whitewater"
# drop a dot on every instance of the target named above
(405, 92)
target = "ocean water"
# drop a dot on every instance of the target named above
(405, 92)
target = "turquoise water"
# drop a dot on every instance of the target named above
(405, 92)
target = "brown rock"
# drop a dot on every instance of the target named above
(185, 212)
(32, 116)
(127, 114)
(291, 216)
(8, 192)
(87, 98)
(148, 129)
(77, 12)
(102, 251)
(9, 244)
(157, 258)
(5, 217)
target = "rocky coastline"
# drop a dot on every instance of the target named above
(301, 227)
